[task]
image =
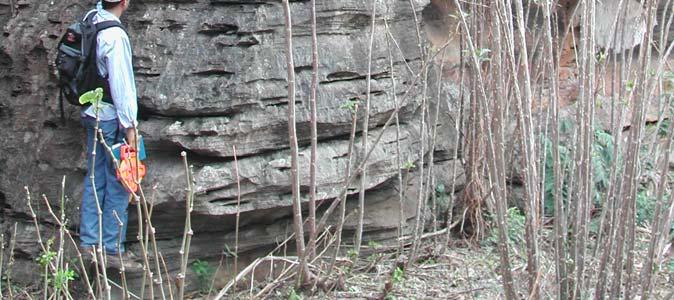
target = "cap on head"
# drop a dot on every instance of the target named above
(114, 4)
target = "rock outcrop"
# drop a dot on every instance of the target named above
(211, 75)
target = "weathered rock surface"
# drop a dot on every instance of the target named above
(210, 76)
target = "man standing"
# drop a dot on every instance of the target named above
(117, 121)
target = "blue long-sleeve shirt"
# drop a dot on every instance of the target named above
(114, 60)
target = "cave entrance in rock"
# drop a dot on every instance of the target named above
(437, 21)
(442, 30)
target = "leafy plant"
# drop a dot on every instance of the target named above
(92, 97)
(516, 225)
(442, 199)
(440, 189)
(601, 57)
(409, 165)
(375, 256)
(63, 277)
(645, 207)
(352, 254)
(602, 159)
(516, 221)
(664, 127)
(549, 184)
(46, 257)
(595, 224)
(374, 244)
(482, 54)
(204, 273)
(398, 275)
(349, 104)
(293, 295)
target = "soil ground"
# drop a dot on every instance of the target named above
(464, 270)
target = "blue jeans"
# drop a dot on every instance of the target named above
(112, 196)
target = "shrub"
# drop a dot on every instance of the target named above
(602, 159)
(204, 273)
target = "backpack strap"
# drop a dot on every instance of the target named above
(89, 15)
(100, 26)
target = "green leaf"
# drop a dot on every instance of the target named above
(601, 57)
(349, 105)
(398, 275)
(294, 295)
(565, 126)
(440, 188)
(483, 54)
(409, 165)
(374, 244)
(204, 272)
(92, 97)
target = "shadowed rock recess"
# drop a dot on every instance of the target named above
(211, 74)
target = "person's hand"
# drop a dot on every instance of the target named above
(131, 137)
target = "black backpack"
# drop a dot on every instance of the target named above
(76, 60)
